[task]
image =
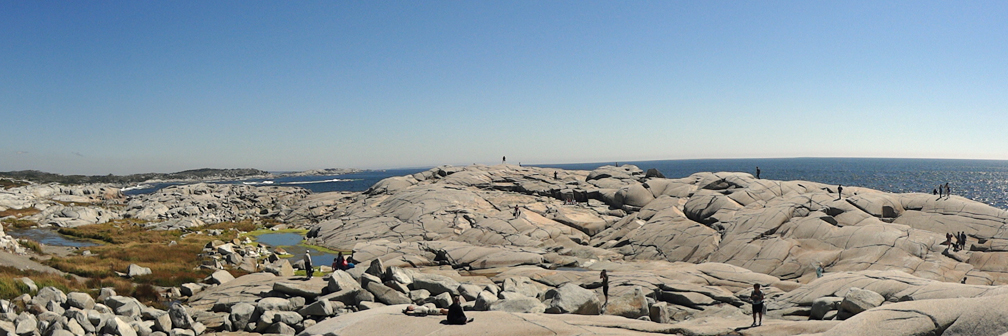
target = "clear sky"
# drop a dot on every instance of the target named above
(98, 87)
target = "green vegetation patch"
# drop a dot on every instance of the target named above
(128, 243)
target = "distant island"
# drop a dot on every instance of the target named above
(203, 174)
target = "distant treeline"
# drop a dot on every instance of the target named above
(199, 174)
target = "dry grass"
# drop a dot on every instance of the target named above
(129, 243)
(18, 213)
(10, 288)
(9, 183)
(31, 245)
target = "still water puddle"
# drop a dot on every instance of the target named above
(49, 237)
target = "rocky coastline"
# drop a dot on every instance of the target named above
(523, 246)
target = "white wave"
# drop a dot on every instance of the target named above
(323, 181)
(139, 186)
(257, 183)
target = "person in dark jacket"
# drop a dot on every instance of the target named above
(455, 313)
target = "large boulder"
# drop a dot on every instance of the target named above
(824, 305)
(124, 305)
(858, 300)
(47, 294)
(387, 295)
(180, 317)
(572, 299)
(135, 270)
(240, 316)
(435, 283)
(321, 308)
(631, 305)
(80, 300)
(220, 277)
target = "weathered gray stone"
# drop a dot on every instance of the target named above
(47, 294)
(469, 292)
(572, 299)
(483, 300)
(180, 317)
(80, 300)
(135, 270)
(272, 303)
(190, 289)
(387, 295)
(124, 305)
(240, 315)
(321, 308)
(823, 305)
(519, 305)
(307, 290)
(858, 300)
(219, 277)
(434, 283)
(631, 305)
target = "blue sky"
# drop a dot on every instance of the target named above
(126, 87)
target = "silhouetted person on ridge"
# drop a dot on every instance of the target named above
(839, 191)
(757, 172)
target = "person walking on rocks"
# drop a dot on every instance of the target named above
(948, 191)
(605, 286)
(517, 212)
(308, 265)
(941, 191)
(757, 304)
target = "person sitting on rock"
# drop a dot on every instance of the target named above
(456, 315)
(757, 304)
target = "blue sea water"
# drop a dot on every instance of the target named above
(980, 180)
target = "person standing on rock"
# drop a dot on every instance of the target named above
(555, 175)
(503, 159)
(308, 265)
(517, 212)
(948, 191)
(757, 304)
(339, 263)
(605, 286)
(757, 172)
(839, 191)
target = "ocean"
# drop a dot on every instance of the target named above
(980, 180)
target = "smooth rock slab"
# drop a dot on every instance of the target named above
(518, 305)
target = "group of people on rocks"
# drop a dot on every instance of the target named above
(942, 191)
(339, 263)
(960, 240)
